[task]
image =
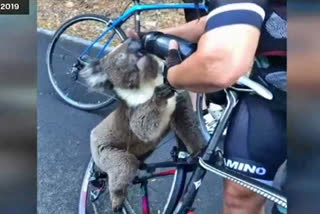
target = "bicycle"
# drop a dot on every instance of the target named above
(180, 197)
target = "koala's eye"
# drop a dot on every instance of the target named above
(121, 56)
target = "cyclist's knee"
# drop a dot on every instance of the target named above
(238, 197)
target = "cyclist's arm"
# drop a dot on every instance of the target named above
(220, 60)
(225, 52)
(191, 31)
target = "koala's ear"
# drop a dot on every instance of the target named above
(131, 33)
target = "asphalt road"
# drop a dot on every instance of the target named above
(63, 150)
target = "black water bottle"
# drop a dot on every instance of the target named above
(157, 43)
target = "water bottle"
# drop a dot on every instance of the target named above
(157, 43)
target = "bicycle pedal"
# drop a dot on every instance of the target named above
(95, 194)
(97, 180)
(174, 153)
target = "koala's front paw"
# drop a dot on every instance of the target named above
(164, 91)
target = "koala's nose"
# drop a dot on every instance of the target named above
(134, 46)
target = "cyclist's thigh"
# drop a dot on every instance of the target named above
(256, 139)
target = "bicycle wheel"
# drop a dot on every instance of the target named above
(164, 191)
(64, 59)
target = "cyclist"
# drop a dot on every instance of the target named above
(230, 38)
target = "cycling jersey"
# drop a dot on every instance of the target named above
(256, 137)
(268, 16)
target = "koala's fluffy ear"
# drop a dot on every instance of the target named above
(131, 33)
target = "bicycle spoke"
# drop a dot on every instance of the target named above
(97, 92)
(164, 143)
(87, 87)
(153, 189)
(67, 91)
(100, 96)
(95, 209)
(62, 57)
(68, 51)
(63, 73)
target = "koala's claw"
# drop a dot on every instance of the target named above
(116, 207)
(164, 91)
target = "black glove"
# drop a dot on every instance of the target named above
(174, 58)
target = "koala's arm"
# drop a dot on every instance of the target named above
(185, 125)
(149, 120)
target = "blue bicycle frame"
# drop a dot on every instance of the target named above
(135, 10)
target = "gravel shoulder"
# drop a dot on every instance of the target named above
(53, 13)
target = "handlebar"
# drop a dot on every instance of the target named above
(256, 87)
(157, 43)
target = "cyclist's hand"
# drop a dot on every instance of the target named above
(131, 33)
(173, 59)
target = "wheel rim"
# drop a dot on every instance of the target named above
(63, 57)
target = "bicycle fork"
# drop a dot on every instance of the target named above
(185, 205)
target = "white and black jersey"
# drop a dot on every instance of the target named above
(255, 144)
(268, 16)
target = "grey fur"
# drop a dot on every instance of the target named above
(121, 141)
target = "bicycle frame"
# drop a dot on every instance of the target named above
(136, 10)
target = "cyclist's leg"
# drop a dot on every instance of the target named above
(240, 200)
(255, 146)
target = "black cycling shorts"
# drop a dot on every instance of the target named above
(256, 141)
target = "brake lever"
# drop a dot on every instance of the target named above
(256, 87)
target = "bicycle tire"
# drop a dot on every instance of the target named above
(174, 195)
(67, 25)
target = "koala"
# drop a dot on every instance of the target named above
(147, 111)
